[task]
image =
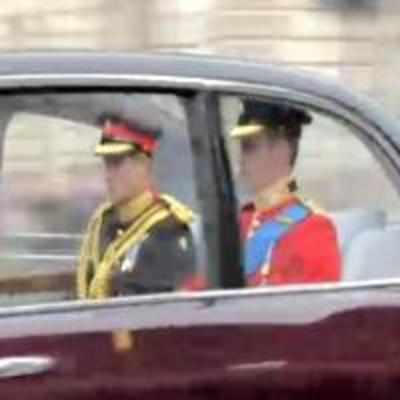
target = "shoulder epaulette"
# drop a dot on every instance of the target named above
(312, 205)
(181, 212)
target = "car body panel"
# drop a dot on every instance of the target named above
(214, 342)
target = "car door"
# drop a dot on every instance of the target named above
(227, 341)
(51, 185)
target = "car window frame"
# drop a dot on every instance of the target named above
(209, 161)
(380, 142)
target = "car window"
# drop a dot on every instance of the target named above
(335, 175)
(52, 184)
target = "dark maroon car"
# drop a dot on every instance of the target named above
(333, 340)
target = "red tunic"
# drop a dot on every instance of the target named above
(308, 253)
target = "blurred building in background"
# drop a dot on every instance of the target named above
(356, 41)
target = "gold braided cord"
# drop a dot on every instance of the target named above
(100, 286)
(88, 249)
(90, 252)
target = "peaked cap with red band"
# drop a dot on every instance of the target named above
(123, 137)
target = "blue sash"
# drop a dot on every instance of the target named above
(258, 248)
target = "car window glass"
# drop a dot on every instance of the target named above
(52, 184)
(337, 177)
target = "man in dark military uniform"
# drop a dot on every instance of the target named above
(286, 239)
(140, 241)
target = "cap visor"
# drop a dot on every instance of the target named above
(243, 131)
(109, 149)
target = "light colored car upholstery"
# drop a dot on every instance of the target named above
(374, 254)
(350, 223)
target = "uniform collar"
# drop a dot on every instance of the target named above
(131, 210)
(274, 195)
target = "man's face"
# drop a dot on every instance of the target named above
(264, 161)
(126, 177)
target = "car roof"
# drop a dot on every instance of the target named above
(203, 67)
(159, 63)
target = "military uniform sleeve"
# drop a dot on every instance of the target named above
(85, 270)
(163, 262)
(308, 254)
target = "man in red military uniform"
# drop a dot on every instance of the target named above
(285, 239)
